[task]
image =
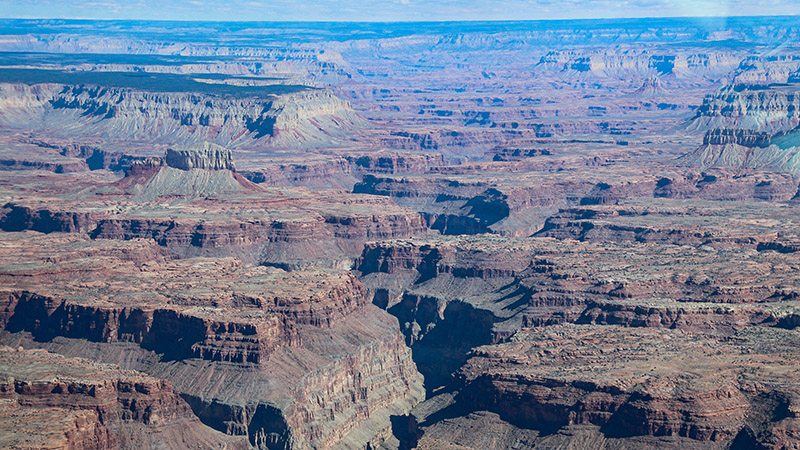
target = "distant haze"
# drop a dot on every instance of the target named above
(387, 10)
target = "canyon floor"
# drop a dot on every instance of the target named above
(481, 235)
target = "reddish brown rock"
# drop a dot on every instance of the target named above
(293, 358)
(660, 383)
(218, 213)
(92, 405)
(52, 428)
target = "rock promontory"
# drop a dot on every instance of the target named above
(207, 156)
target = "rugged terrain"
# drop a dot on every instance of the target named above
(572, 235)
(50, 401)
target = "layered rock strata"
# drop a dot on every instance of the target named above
(286, 359)
(501, 285)
(49, 401)
(202, 212)
(310, 117)
(611, 387)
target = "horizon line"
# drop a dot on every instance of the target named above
(583, 19)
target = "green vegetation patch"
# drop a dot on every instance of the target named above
(148, 82)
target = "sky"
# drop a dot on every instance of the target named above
(387, 10)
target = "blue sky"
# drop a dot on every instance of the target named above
(388, 10)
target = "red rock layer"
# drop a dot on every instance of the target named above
(101, 405)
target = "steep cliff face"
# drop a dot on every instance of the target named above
(341, 171)
(512, 203)
(737, 136)
(102, 406)
(769, 69)
(290, 360)
(179, 334)
(532, 388)
(449, 206)
(604, 298)
(241, 322)
(498, 285)
(94, 158)
(379, 162)
(205, 156)
(304, 118)
(215, 213)
(333, 239)
(331, 172)
(630, 62)
(50, 427)
(746, 150)
(732, 223)
(769, 109)
(435, 287)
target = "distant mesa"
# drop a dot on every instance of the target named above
(191, 171)
(742, 149)
(769, 108)
(207, 156)
(651, 88)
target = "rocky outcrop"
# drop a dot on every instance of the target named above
(242, 323)
(22, 163)
(93, 406)
(600, 295)
(330, 240)
(52, 428)
(770, 108)
(635, 63)
(340, 171)
(501, 284)
(395, 162)
(328, 173)
(310, 363)
(284, 228)
(508, 203)
(206, 156)
(201, 170)
(407, 279)
(449, 206)
(94, 158)
(305, 118)
(737, 136)
(177, 334)
(745, 150)
(672, 222)
(767, 69)
(525, 381)
(516, 154)
(651, 87)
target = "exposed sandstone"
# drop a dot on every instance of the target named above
(768, 108)
(663, 383)
(656, 305)
(746, 138)
(315, 365)
(211, 213)
(94, 406)
(205, 156)
(739, 224)
(303, 118)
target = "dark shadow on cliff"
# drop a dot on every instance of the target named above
(264, 425)
(441, 344)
